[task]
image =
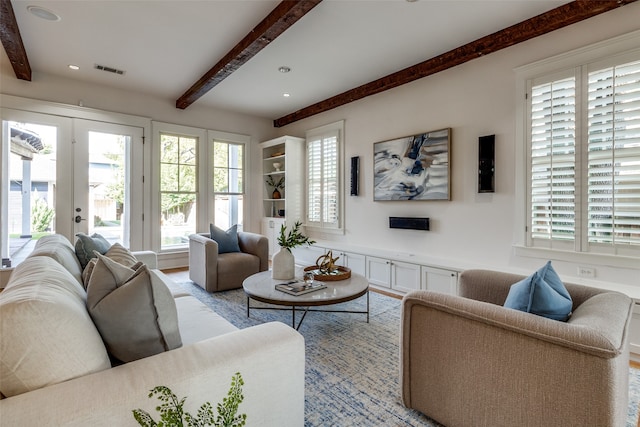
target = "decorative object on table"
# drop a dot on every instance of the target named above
(413, 168)
(277, 185)
(277, 166)
(172, 412)
(308, 278)
(298, 287)
(283, 262)
(340, 273)
(327, 263)
(326, 269)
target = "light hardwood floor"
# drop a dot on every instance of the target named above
(178, 274)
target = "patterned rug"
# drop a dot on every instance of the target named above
(352, 372)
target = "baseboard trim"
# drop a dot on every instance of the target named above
(385, 292)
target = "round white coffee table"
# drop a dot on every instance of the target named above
(261, 287)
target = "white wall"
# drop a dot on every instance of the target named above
(475, 99)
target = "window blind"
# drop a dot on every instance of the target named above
(314, 181)
(553, 130)
(323, 180)
(613, 206)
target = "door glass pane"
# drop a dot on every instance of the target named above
(108, 188)
(32, 186)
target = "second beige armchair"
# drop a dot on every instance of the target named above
(468, 361)
(219, 272)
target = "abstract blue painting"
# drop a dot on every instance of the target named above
(413, 168)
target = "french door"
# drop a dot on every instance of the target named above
(64, 175)
(102, 179)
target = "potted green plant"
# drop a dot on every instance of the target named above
(277, 185)
(283, 262)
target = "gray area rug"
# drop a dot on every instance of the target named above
(352, 371)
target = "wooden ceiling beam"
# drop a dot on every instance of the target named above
(552, 20)
(277, 22)
(12, 41)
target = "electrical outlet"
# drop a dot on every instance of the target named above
(587, 272)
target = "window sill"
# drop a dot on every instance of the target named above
(320, 231)
(605, 260)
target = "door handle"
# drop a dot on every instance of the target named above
(78, 218)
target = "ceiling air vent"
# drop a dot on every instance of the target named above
(108, 69)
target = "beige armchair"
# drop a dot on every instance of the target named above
(467, 361)
(219, 272)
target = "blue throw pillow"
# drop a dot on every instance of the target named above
(542, 293)
(85, 245)
(227, 240)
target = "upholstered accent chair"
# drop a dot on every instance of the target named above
(219, 272)
(467, 361)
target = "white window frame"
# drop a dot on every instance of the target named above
(329, 130)
(230, 138)
(205, 205)
(198, 199)
(618, 50)
(159, 128)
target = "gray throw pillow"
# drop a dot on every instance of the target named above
(227, 240)
(116, 252)
(133, 310)
(121, 255)
(86, 245)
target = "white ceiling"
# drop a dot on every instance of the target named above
(165, 46)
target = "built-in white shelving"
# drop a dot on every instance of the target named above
(282, 160)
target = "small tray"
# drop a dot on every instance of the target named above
(341, 273)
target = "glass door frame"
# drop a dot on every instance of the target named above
(55, 114)
(64, 176)
(81, 160)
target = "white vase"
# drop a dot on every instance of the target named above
(283, 265)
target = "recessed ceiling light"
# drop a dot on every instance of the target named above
(43, 13)
(286, 95)
(284, 69)
(74, 67)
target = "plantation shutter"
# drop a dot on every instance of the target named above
(314, 181)
(330, 180)
(323, 180)
(553, 133)
(613, 206)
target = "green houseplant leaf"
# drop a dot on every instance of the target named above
(294, 238)
(275, 184)
(172, 413)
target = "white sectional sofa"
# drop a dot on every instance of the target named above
(55, 370)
